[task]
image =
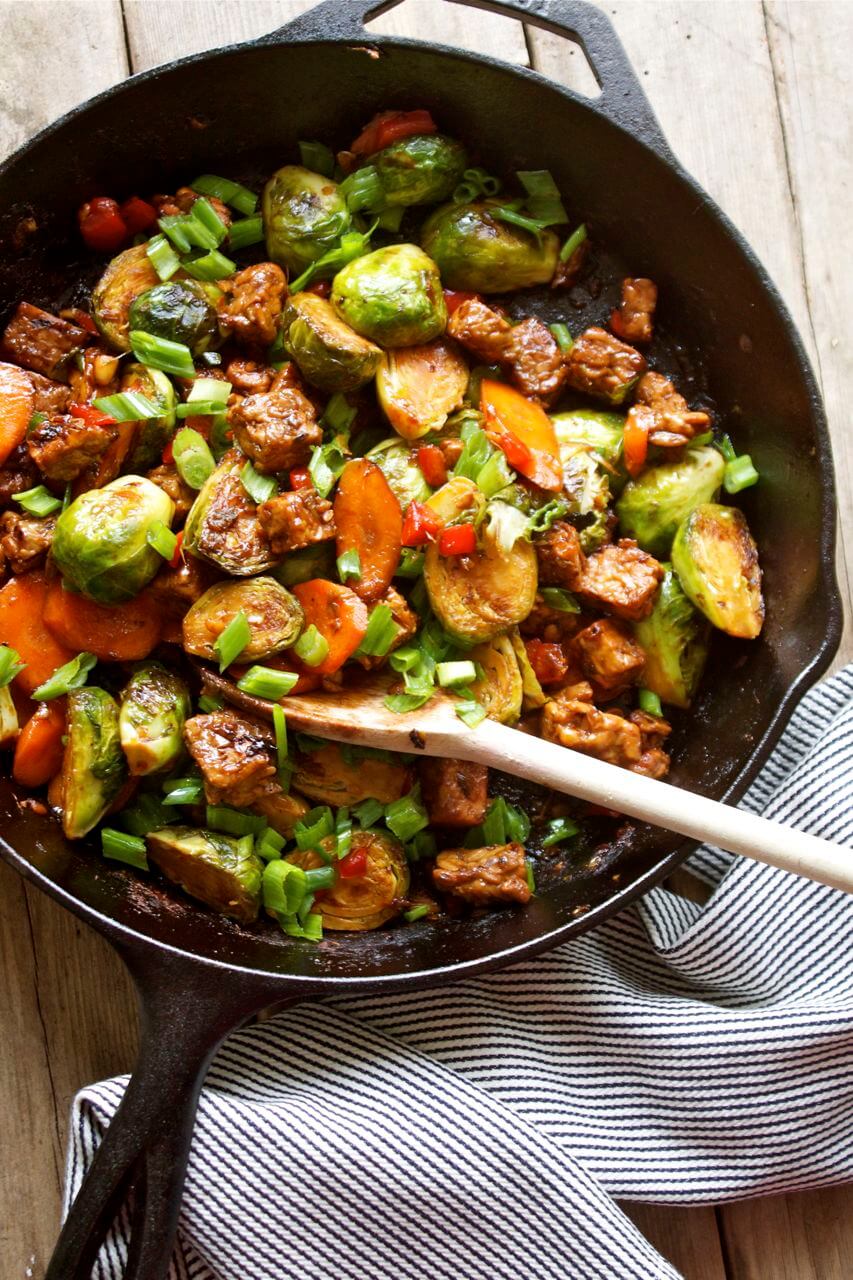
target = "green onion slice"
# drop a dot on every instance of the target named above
(312, 648)
(563, 335)
(212, 265)
(234, 822)
(649, 702)
(740, 474)
(349, 565)
(369, 812)
(381, 633)
(161, 353)
(317, 824)
(327, 463)
(231, 642)
(259, 488)
(406, 816)
(559, 598)
(193, 459)
(574, 242)
(559, 830)
(269, 845)
(245, 232)
(317, 157)
(72, 675)
(266, 682)
(452, 673)
(471, 712)
(183, 791)
(162, 257)
(161, 538)
(232, 193)
(128, 406)
(38, 501)
(121, 847)
(279, 721)
(10, 665)
(416, 913)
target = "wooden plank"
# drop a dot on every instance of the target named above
(686, 1237)
(800, 1237)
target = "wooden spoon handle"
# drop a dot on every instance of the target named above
(660, 803)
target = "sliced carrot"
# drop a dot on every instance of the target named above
(16, 408)
(114, 633)
(38, 751)
(22, 602)
(635, 438)
(508, 413)
(369, 520)
(338, 614)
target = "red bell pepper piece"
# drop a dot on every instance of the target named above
(300, 478)
(178, 556)
(458, 540)
(322, 288)
(168, 455)
(548, 660)
(420, 525)
(391, 126)
(635, 447)
(101, 225)
(138, 215)
(454, 298)
(354, 864)
(432, 464)
(91, 416)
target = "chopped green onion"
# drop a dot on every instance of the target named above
(220, 442)
(162, 257)
(161, 538)
(193, 458)
(517, 823)
(339, 414)
(389, 219)
(320, 878)
(148, 814)
(244, 232)
(649, 702)
(173, 226)
(122, 847)
(401, 703)
(406, 816)
(416, 913)
(343, 832)
(423, 845)
(279, 721)
(269, 845)
(239, 198)
(259, 488)
(739, 474)
(10, 665)
(495, 475)
(411, 562)
(558, 598)
(528, 872)
(72, 675)
(284, 887)
(506, 213)
(696, 442)
(312, 648)
(544, 202)
(210, 390)
(574, 242)
(327, 463)
(161, 353)
(503, 822)
(305, 909)
(726, 448)
(210, 702)
(349, 565)
(369, 812)
(38, 501)
(234, 822)
(451, 673)
(199, 409)
(312, 927)
(183, 791)
(266, 682)
(465, 192)
(212, 265)
(381, 633)
(563, 335)
(315, 826)
(204, 212)
(363, 189)
(470, 712)
(559, 829)
(352, 245)
(128, 406)
(317, 157)
(231, 642)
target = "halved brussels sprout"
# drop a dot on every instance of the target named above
(586, 487)
(274, 616)
(419, 386)
(365, 901)
(478, 596)
(178, 310)
(9, 727)
(533, 695)
(716, 560)
(477, 252)
(281, 810)
(400, 468)
(329, 353)
(304, 216)
(152, 434)
(222, 526)
(326, 777)
(316, 561)
(126, 276)
(93, 764)
(500, 691)
(392, 295)
(652, 507)
(590, 429)
(222, 871)
(99, 543)
(459, 496)
(421, 169)
(154, 708)
(674, 639)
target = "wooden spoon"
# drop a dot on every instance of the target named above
(357, 714)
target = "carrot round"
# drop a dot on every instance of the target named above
(338, 614)
(114, 633)
(513, 419)
(16, 408)
(38, 751)
(369, 520)
(22, 602)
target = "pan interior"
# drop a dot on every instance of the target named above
(721, 332)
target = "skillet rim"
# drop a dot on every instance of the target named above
(125, 937)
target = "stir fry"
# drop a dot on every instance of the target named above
(299, 436)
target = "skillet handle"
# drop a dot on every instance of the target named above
(186, 1010)
(622, 99)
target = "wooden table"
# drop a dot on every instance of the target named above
(755, 99)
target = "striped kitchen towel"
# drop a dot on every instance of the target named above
(680, 1054)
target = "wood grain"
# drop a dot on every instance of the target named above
(752, 98)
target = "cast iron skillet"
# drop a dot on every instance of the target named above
(198, 975)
